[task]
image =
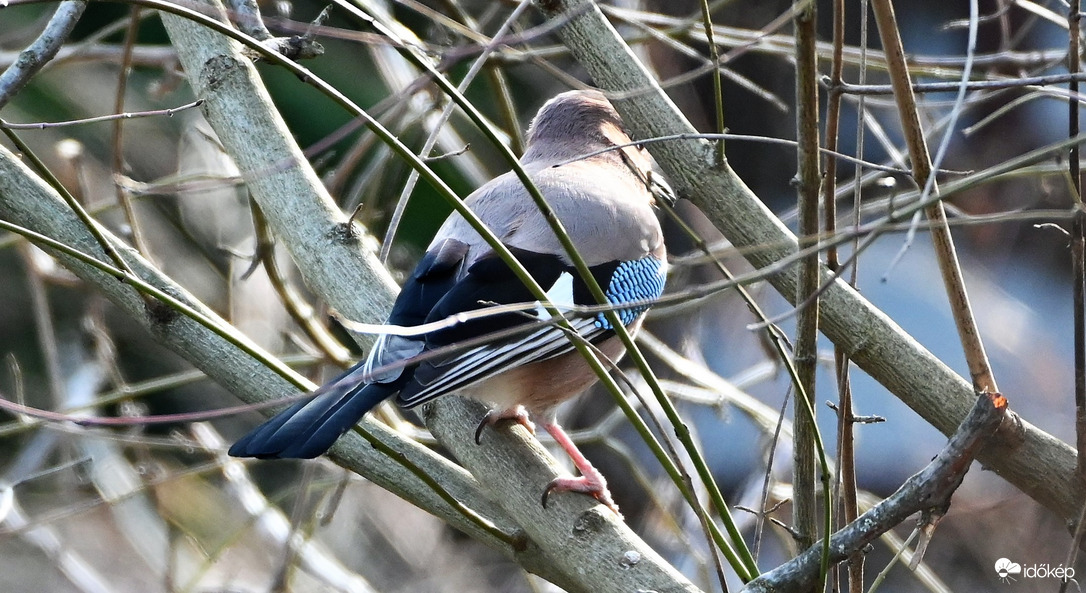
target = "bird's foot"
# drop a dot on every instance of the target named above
(517, 413)
(590, 482)
(593, 485)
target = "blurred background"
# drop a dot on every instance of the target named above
(155, 508)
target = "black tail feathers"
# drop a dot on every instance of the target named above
(310, 427)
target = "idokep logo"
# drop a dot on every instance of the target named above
(1007, 570)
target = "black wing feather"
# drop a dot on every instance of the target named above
(491, 281)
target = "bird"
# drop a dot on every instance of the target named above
(605, 190)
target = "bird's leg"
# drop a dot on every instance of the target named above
(590, 481)
(492, 417)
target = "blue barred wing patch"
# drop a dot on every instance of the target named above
(633, 281)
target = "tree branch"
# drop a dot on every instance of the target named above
(27, 201)
(927, 492)
(43, 49)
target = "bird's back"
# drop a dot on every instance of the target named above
(603, 206)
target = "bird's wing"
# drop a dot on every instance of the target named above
(434, 276)
(491, 282)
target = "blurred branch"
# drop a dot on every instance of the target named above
(972, 85)
(163, 57)
(134, 227)
(1031, 459)
(1078, 241)
(293, 301)
(44, 48)
(273, 526)
(79, 571)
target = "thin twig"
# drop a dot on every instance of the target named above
(979, 369)
(169, 112)
(292, 300)
(808, 185)
(718, 93)
(844, 485)
(117, 162)
(971, 85)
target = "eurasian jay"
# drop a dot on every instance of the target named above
(605, 202)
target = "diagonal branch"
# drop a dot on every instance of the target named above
(927, 492)
(977, 359)
(43, 49)
(27, 201)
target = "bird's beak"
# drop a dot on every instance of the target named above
(661, 191)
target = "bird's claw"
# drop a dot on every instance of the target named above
(492, 417)
(594, 486)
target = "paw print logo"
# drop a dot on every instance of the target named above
(1005, 568)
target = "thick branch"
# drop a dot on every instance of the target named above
(1031, 459)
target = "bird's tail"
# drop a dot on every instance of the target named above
(309, 427)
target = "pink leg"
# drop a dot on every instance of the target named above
(590, 481)
(492, 417)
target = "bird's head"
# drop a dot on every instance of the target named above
(577, 122)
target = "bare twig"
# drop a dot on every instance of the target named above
(972, 85)
(718, 93)
(169, 112)
(808, 178)
(979, 369)
(844, 486)
(118, 161)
